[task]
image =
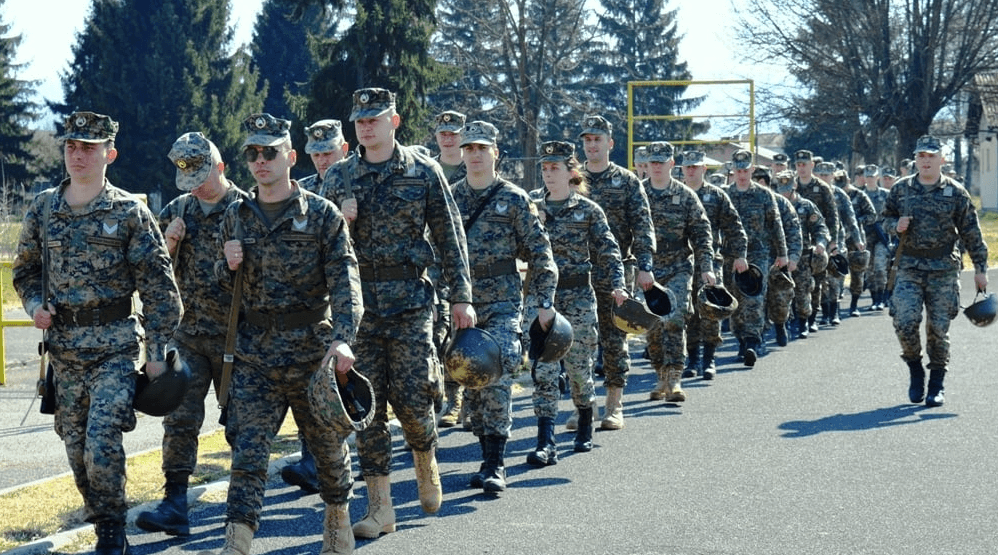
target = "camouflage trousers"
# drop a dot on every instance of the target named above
(491, 407)
(94, 393)
(578, 306)
(667, 339)
(880, 260)
(818, 292)
(778, 303)
(831, 288)
(749, 318)
(259, 399)
(939, 293)
(616, 359)
(396, 353)
(856, 283)
(699, 329)
(203, 354)
(803, 289)
(441, 334)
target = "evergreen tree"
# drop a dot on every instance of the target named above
(16, 112)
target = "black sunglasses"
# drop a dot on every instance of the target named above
(268, 153)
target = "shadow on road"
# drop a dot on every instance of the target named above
(879, 418)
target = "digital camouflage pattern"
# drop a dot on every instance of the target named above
(866, 215)
(778, 301)
(848, 234)
(814, 232)
(821, 194)
(880, 253)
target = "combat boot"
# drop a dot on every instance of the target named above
(826, 315)
(478, 479)
(741, 350)
(380, 517)
(452, 407)
(934, 398)
(613, 412)
(337, 536)
(916, 388)
(546, 453)
(781, 333)
(111, 538)
(428, 480)
(495, 466)
(302, 473)
(751, 344)
(238, 537)
(692, 361)
(584, 435)
(709, 366)
(674, 377)
(170, 516)
(834, 308)
(662, 387)
(572, 423)
(811, 326)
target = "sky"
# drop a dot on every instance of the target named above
(710, 52)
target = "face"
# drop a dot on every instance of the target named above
(778, 167)
(694, 174)
(447, 139)
(212, 189)
(804, 168)
(929, 164)
(88, 160)
(887, 182)
(555, 175)
(273, 171)
(743, 177)
(660, 171)
(323, 160)
(479, 159)
(378, 131)
(597, 147)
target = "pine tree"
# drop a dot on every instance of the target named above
(16, 112)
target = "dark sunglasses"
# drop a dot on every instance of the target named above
(268, 153)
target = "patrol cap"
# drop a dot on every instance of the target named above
(556, 151)
(717, 179)
(89, 127)
(325, 135)
(266, 130)
(784, 181)
(449, 121)
(193, 155)
(888, 171)
(660, 151)
(928, 143)
(371, 103)
(824, 168)
(741, 159)
(870, 170)
(802, 155)
(694, 158)
(596, 125)
(641, 155)
(780, 158)
(479, 133)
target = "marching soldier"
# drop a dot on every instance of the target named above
(859, 256)
(779, 301)
(325, 146)
(879, 241)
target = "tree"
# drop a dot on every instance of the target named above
(161, 68)
(16, 112)
(886, 66)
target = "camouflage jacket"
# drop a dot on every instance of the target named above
(823, 196)
(206, 306)
(726, 225)
(506, 229)
(761, 220)
(105, 253)
(682, 230)
(848, 231)
(311, 183)
(791, 227)
(406, 216)
(940, 214)
(624, 201)
(878, 197)
(866, 213)
(812, 223)
(300, 262)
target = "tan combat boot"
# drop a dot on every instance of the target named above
(453, 409)
(662, 388)
(675, 377)
(337, 536)
(238, 537)
(380, 517)
(428, 480)
(613, 412)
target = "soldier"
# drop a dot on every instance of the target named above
(866, 216)
(817, 190)
(325, 147)
(779, 163)
(403, 220)
(641, 162)
(879, 244)
(778, 300)
(447, 134)
(849, 235)
(190, 225)
(85, 248)
(724, 223)
(621, 196)
(761, 219)
(931, 212)
(501, 224)
(685, 247)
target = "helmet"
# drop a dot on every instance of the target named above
(633, 317)
(661, 301)
(553, 344)
(473, 358)
(341, 402)
(715, 302)
(164, 393)
(749, 282)
(982, 312)
(819, 262)
(781, 280)
(859, 260)
(838, 265)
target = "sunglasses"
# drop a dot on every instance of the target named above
(268, 153)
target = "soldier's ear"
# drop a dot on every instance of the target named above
(396, 120)
(112, 155)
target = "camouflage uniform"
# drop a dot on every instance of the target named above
(324, 135)
(814, 232)
(847, 234)
(880, 252)
(866, 215)
(821, 194)
(778, 302)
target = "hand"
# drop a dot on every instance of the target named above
(462, 315)
(832, 247)
(819, 250)
(43, 316)
(155, 368)
(860, 246)
(709, 278)
(233, 254)
(349, 209)
(792, 266)
(781, 261)
(545, 316)
(645, 280)
(741, 265)
(981, 281)
(174, 234)
(343, 355)
(903, 223)
(619, 296)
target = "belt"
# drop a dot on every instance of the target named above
(290, 321)
(573, 281)
(501, 268)
(390, 273)
(936, 252)
(117, 310)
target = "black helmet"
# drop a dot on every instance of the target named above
(633, 317)
(553, 344)
(780, 279)
(715, 302)
(473, 358)
(660, 300)
(164, 393)
(838, 265)
(341, 402)
(749, 282)
(983, 311)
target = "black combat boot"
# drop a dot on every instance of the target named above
(708, 364)
(741, 350)
(495, 468)
(546, 453)
(826, 316)
(781, 333)
(751, 346)
(802, 330)
(302, 473)
(478, 479)
(111, 538)
(916, 389)
(853, 308)
(935, 396)
(834, 308)
(692, 360)
(170, 516)
(584, 434)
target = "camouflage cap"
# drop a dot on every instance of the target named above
(741, 159)
(870, 170)
(694, 158)
(928, 143)
(717, 179)
(803, 155)
(193, 155)
(824, 168)
(325, 135)
(557, 151)
(479, 133)
(888, 171)
(779, 158)
(450, 121)
(660, 151)
(641, 155)
(784, 181)
(266, 130)
(596, 125)
(371, 103)
(89, 127)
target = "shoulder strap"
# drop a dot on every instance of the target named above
(481, 206)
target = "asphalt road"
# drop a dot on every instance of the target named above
(814, 451)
